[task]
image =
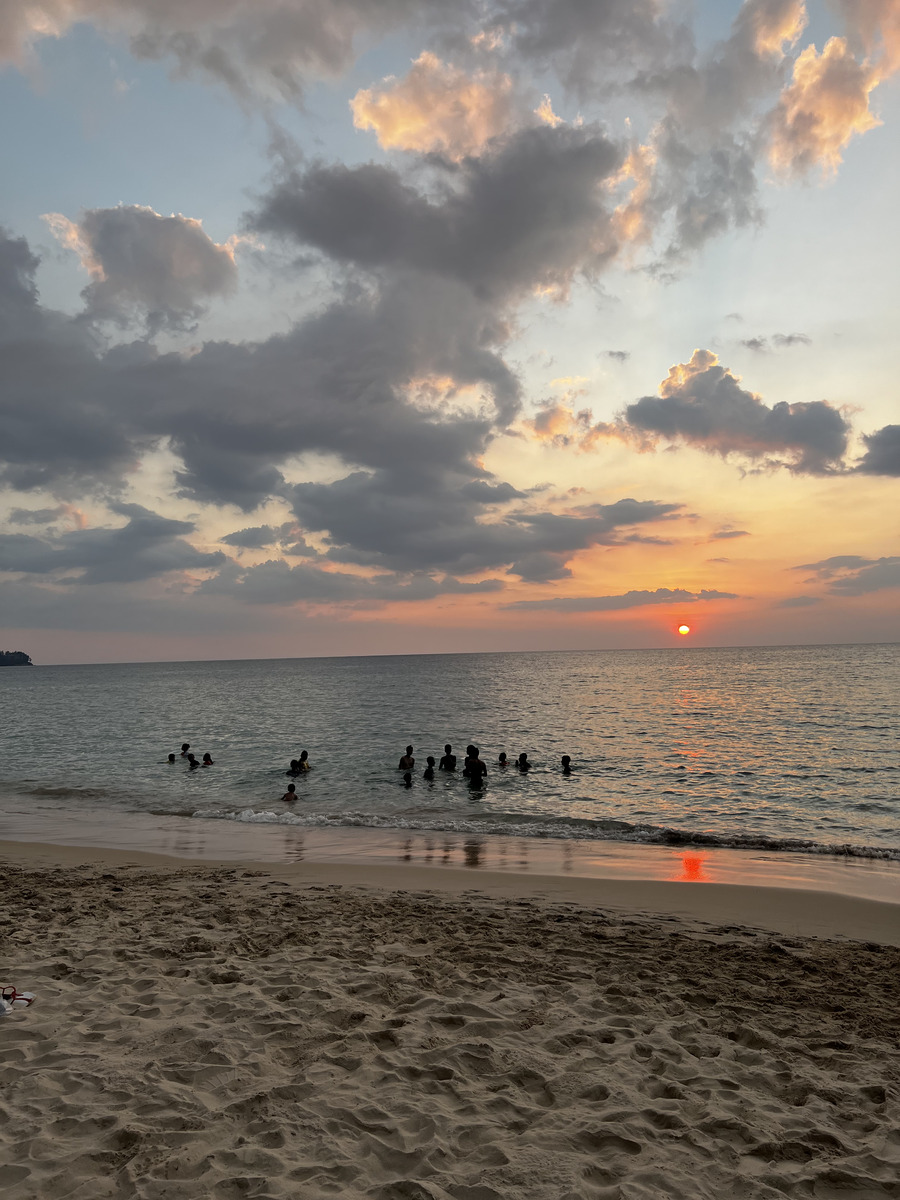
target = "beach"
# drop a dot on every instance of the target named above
(400, 1030)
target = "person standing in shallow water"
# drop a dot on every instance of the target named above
(523, 764)
(477, 770)
(566, 765)
(407, 762)
(448, 762)
(428, 773)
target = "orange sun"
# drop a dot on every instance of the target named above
(684, 630)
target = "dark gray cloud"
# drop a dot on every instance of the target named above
(275, 582)
(704, 405)
(725, 534)
(853, 575)
(530, 212)
(619, 355)
(634, 599)
(146, 546)
(254, 538)
(36, 516)
(758, 344)
(146, 267)
(882, 455)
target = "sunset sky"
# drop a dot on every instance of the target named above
(384, 326)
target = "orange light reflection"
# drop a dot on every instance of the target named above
(692, 870)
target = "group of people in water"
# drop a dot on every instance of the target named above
(474, 768)
(190, 759)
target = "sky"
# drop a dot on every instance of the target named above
(424, 326)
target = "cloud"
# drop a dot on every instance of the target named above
(702, 403)
(726, 534)
(147, 546)
(853, 575)
(142, 265)
(798, 602)
(882, 455)
(780, 340)
(254, 538)
(634, 599)
(261, 49)
(275, 582)
(529, 214)
(619, 355)
(436, 108)
(823, 108)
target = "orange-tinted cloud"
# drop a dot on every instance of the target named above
(825, 105)
(436, 108)
(775, 24)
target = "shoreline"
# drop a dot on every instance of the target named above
(726, 889)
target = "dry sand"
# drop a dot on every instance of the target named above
(219, 1032)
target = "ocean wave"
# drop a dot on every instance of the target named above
(66, 793)
(516, 825)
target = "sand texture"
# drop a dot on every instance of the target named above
(218, 1033)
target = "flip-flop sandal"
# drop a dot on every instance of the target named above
(13, 999)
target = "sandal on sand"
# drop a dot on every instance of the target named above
(10, 998)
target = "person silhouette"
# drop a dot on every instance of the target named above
(448, 762)
(566, 765)
(523, 764)
(407, 762)
(407, 779)
(428, 773)
(291, 793)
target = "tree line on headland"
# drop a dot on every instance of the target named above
(15, 658)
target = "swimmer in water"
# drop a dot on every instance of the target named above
(523, 764)
(566, 765)
(295, 768)
(171, 760)
(477, 769)
(503, 761)
(470, 750)
(407, 762)
(207, 760)
(192, 762)
(448, 762)
(303, 761)
(428, 773)
(407, 778)
(291, 793)
(185, 746)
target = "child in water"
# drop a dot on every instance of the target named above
(303, 761)
(428, 773)
(566, 765)
(207, 760)
(407, 778)
(291, 793)
(192, 762)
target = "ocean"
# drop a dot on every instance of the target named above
(781, 748)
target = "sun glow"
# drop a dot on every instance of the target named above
(684, 630)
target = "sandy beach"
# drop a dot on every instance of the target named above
(415, 1034)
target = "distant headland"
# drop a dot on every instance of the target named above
(15, 658)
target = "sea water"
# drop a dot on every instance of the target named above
(790, 748)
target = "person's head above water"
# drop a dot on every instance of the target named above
(171, 758)
(523, 757)
(185, 746)
(304, 755)
(207, 757)
(448, 748)
(407, 778)
(566, 760)
(502, 757)
(409, 749)
(292, 790)
(293, 764)
(430, 760)
(470, 750)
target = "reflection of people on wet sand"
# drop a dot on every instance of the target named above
(448, 761)
(428, 773)
(407, 762)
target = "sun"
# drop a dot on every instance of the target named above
(684, 630)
